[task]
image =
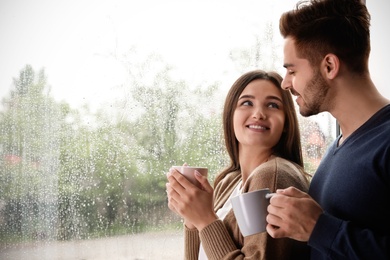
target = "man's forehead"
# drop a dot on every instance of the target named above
(291, 58)
(289, 53)
(289, 47)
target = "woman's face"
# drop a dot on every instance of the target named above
(259, 116)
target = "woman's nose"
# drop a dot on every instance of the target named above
(259, 114)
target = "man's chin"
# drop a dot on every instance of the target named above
(305, 112)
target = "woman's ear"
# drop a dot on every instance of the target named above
(331, 66)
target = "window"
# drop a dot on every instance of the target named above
(100, 98)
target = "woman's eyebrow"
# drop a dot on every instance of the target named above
(246, 96)
(275, 97)
(267, 97)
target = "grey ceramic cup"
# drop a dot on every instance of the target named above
(250, 210)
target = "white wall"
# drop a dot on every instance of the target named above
(380, 42)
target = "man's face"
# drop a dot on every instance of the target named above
(304, 81)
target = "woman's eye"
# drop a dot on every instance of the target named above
(273, 105)
(246, 103)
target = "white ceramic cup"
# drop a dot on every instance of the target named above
(189, 173)
(250, 210)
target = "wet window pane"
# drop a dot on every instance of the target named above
(100, 98)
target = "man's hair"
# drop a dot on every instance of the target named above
(320, 27)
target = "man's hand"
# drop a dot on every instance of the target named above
(292, 213)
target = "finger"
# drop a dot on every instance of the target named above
(292, 192)
(169, 173)
(172, 194)
(174, 189)
(180, 180)
(168, 187)
(280, 202)
(274, 231)
(173, 197)
(204, 182)
(274, 220)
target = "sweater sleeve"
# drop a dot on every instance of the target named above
(191, 243)
(217, 242)
(336, 238)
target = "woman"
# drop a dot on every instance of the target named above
(263, 141)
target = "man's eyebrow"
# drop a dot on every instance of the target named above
(288, 65)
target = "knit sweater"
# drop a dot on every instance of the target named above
(223, 240)
(352, 185)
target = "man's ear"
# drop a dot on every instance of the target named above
(331, 66)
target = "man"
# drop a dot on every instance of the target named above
(346, 213)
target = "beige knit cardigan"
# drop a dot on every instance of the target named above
(223, 240)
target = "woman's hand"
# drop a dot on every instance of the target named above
(194, 204)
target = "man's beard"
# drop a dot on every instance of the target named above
(315, 96)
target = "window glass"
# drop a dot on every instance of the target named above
(100, 98)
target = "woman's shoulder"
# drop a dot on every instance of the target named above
(279, 173)
(279, 164)
(286, 165)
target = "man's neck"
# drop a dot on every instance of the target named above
(355, 104)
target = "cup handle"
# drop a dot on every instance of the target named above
(269, 195)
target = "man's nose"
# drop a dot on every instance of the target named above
(286, 83)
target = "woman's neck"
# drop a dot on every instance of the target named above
(249, 160)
